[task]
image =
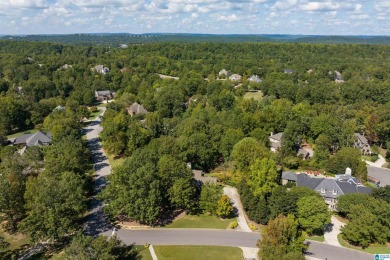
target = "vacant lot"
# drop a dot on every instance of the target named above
(198, 252)
(201, 221)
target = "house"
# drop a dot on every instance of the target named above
(59, 107)
(255, 78)
(66, 66)
(276, 141)
(100, 69)
(329, 188)
(103, 95)
(338, 77)
(37, 139)
(223, 72)
(235, 77)
(288, 71)
(137, 109)
(362, 143)
(288, 177)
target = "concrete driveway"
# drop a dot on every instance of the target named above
(232, 193)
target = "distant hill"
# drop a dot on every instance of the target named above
(115, 39)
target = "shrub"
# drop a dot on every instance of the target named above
(252, 227)
(233, 225)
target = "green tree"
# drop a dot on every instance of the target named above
(12, 189)
(85, 248)
(209, 197)
(313, 214)
(281, 239)
(263, 177)
(3, 244)
(224, 207)
(382, 193)
(346, 201)
(246, 151)
(228, 140)
(183, 194)
(54, 205)
(348, 157)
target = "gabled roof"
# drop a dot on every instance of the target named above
(277, 136)
(103, 93)
(288, 71)
(39, 138)
(137, 109)
(361, 138)
(306, 181)
(235, 77)
(290, 176)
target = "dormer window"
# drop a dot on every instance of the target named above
(322, 190)
(335, 192)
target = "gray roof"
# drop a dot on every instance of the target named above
(331, 188)
(361, 138)
(137, 109)
(338, 75)
(37, 139)
(103, 92)
(277, 136)
(290, 176)
(288, 71)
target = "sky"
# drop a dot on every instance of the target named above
(321, 17)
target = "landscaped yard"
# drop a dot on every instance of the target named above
(201, 221)
(374, 249)
(316, 238)
(32, 131)
(93, 115)
(198, 252)
(370, 158)
(255, 95)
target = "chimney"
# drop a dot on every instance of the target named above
(348, 171)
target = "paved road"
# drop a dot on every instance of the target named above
(382, 174)
(226, 238)
(96, 221)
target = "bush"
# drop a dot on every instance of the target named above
(93, 109)
(233, 225)
(252, 227)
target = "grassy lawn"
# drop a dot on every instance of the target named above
(144, 253)
(201, 221)
(372, 158)
(198, 252)
(93, 115)
(316, 238)
(32, 131)
(16, 240)
(373, 249)
(102, 105)
(115, 162)
(255, 95)
(377, 149)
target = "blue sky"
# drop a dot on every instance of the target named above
(329, 17)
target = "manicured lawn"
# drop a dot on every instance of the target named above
(373, 249)
(93, 115)
(144, 253)
(102, 105)
(198, 252)
(372, 158)
(316, 238)
(16, 240)
(32, 131)
(201, 221)
(255, 95)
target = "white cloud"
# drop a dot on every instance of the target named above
(227, 18)
(23, 4)
(320, 6)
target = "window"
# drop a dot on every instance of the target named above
(322, 190)
(335, 192)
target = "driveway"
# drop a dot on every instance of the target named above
(332, 230)
(232, 193)
(382, 174)
(227, 238)
(96, 221)
(378, 163)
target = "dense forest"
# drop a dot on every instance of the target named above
(116, 39)
(199, 118)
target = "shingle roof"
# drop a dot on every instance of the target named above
(103, 92)
(361, 138)
(290, 176)
(306, 181)
(39, 138)
(137, 109)
(277, 136)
